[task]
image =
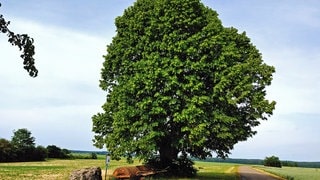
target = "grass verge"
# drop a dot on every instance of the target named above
(293, 173)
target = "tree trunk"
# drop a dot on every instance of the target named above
(167, 153)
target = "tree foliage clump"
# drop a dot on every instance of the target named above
(56, 152)
(22, 138)
(272, 161)
(5, 151)
(180, 167)
(24, 43)
(179, 82)
(21, 148)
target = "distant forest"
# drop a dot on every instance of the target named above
(260, 162)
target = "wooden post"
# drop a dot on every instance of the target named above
(107, 164)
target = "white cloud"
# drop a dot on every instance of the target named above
(286, 136)
(295, 86)
(62, 99)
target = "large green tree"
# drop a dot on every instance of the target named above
(21, 148)
(179, 82)
(24, 43)
(22, 138)
(23, 144)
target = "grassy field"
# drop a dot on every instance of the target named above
(54, 169)
(51, 169)
(293, 173)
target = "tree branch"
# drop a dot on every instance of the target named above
(25, 44)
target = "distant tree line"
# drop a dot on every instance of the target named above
(262, 162)
(22, 148)
(289, 163)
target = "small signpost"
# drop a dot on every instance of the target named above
(107, 164)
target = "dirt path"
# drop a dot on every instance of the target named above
(248, 173)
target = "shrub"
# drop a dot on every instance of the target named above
(40, 153)
(181, 167)
(272, 161)
(94, 155)
(6, 151)
(57, 152)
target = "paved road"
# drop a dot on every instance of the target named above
(248, 173)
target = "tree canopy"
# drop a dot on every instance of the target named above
(22, 138)
(179, 82)
(272, 161)
(24, 43)
(22, 148)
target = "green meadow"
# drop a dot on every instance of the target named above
(50, 169)
(293, 173)
(56, 169)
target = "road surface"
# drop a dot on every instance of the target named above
(248, 173)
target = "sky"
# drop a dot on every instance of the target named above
(71, 38)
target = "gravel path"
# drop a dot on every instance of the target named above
(248, 173)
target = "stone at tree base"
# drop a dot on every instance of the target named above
(91, 173)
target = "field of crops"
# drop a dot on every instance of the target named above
(294, 173)
(55, 169)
